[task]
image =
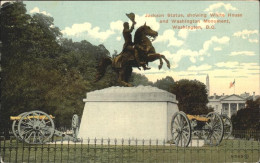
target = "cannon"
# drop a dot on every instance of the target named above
(228, 127)
(212, 128)
(37, 127)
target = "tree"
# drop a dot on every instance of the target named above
(192, 96)
(139, 79)
(43, 71)
(248, 118)
(165, 83)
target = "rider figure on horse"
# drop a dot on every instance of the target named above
(129, 45)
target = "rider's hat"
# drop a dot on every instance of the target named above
(131, 16)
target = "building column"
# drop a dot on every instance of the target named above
(237, 107)
(229, 110)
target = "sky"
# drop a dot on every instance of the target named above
(229, 52)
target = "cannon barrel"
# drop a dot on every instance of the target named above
(41, 117)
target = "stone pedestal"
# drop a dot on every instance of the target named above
(142, 112)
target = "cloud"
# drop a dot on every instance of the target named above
(247, 35)
(93, 32)
(214, 39)
(192, 59)
(118, 38)
(247, 53)
(117, 26)
(183, 33)
(168, 36)
(215, 6)
(193, 55)
(173, 58)
(246, 75)
(250, 65)
(200, 68)
(227, 64)
(37, 10)
(217, 49)
(253, 40)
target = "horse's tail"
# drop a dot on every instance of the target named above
(102, 66)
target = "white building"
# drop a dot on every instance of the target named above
(228, 104)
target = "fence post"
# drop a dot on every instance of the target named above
(156, 150)
(16, 150)
(1, 149)
(41, 152)
(10, 150)
(258, 144)
(122, 150)
(143, 150)
(198, 150)
(150, 149)
(225, 148)
(29, 152)
(163, 149)
(108, 149)
(102, 149)
(55, 149)
(75, 150)
(61, 149)
(81, 149)
(129, 149)
(136, 149)
(95, 149)
(35, 152)
(252, 149)
(115, 142)
(88, 151)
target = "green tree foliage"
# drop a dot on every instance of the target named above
(165, 83)
(249, 117)
(43, 71)
(192, 96)
(139, 79)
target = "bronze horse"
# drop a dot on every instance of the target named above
(124, 62)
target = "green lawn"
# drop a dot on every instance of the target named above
(227, 151)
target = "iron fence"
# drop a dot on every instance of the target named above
(240, 147)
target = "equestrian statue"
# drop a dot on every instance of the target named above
(134, 54)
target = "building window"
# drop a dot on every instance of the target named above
(233, 107)
(225, 108)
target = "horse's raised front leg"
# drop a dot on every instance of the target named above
(166, 60)
(154, 56)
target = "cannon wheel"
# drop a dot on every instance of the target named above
(181, 129)
(34, 130)
(15, 127)
(228, 127)
(214, 129)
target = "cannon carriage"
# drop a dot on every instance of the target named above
(212, 128)
(37, 127)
